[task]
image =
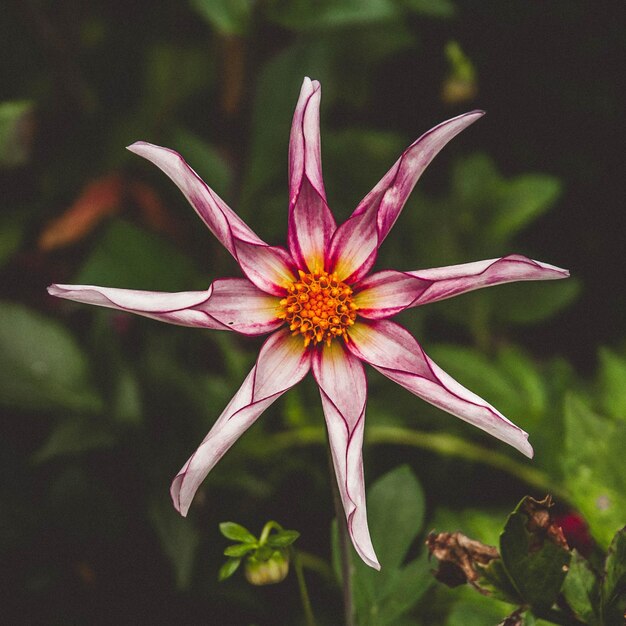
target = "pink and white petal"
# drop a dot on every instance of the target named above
(228, 304)
(394, 352)
(221, 220)
(386, 293)
(311, 223)
(270, 268)
(282, 363)
(343, 390)
(355, 243)
(264, 265)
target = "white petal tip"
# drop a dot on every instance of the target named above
(526, 449)
(138, 146)
(56, 290)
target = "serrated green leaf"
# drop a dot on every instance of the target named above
(581, 590)
(179, 539)
(228, 569)
(535, 565)
(594, 469)
(239, 550)
(614, 583)
(41, 365)
(236, 532)
(612, 379)
(283, 538)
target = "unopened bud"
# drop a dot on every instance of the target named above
(268, 572)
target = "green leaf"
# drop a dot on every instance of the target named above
(532, 302)
(614, 583)
(205, 160)
(240, 549)
(528, 380)
(474, 178)
(283, 538)
(376, 149)
(496, 581)
(594, 469)
(229, 17)
(535, 565)
(581, 590)
(12, 227)
(328, 14)
(404, 590)
(228, 569)
(480, 374)
(521, 201)
(395, 515)
(126, 400)
(16, 132)
(75, 435)
(41, 365)
(126, 256)
(237, 532)
(174, 73)
(613, 384)
(179, 539)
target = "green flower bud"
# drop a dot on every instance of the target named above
(269, 571)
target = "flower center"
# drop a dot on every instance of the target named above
(319, 307)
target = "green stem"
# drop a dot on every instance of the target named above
(344, 547)
(441, 443)
(304, 592)
(265, 533)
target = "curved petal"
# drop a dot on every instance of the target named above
(343, 389)
(228, 304)
(311, 223)
(394, 352)
(268, 267)
(282, 362)
(386, 293)
(355, 243)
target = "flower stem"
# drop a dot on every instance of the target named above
(440, 443)
(344, 547)
(304, 592)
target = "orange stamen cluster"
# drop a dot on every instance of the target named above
(319, 307)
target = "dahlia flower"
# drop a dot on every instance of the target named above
(322, 308)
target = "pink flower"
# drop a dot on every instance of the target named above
(322, 308)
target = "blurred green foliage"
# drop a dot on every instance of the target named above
(101, 409)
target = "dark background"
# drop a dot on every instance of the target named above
(78, 533)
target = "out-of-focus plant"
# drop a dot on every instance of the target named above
(536, 570)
